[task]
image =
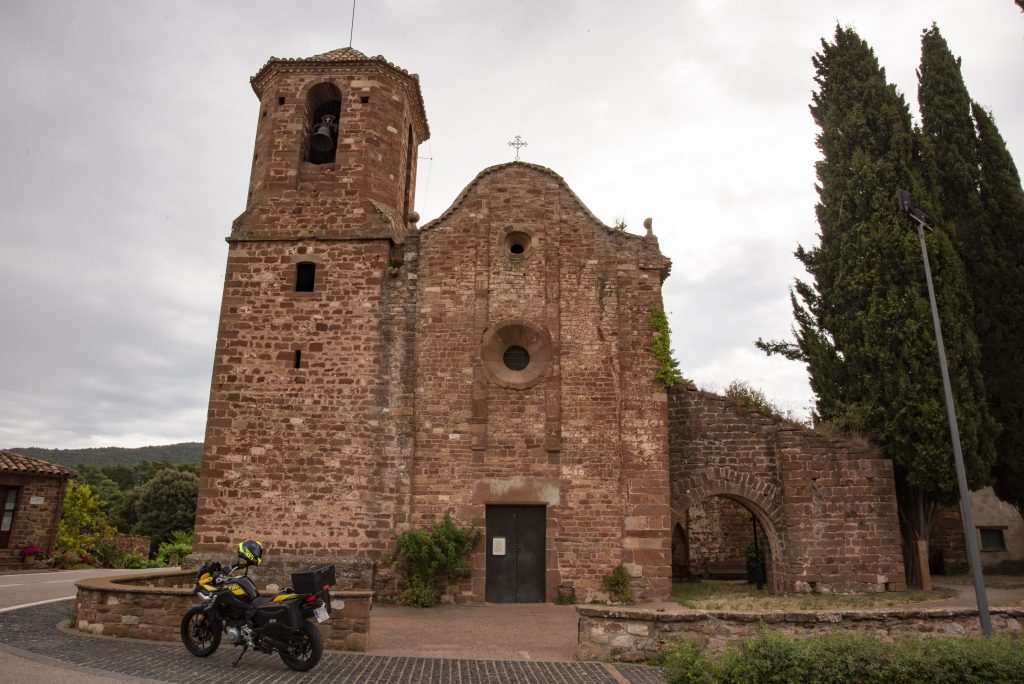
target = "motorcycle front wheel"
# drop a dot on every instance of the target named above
(305, 646)
(200, 635)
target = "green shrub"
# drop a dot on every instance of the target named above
(180, 543)
(661, 347)
(686, 663)
(417, 597)
(841, 657)
(617, 584)
(752, 398)
(131, 561)
(424, 558)
(566, 598)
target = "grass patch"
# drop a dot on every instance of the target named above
(738, 595)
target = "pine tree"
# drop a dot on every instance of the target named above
(1001, 326)
(863, 323)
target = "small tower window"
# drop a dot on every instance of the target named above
(298, 359)
(323, 107)
(305, 276)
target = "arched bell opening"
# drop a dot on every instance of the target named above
(323, 105)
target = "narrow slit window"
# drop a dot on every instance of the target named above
(305, 276)
(298, 359)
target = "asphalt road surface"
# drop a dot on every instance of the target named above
(22, 589)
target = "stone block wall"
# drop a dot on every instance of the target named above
(635, 634)
(308, 441)
(35, 523)
(719, 529)
(151, 607)
(304, 459)
(587, 436)
(827, 506)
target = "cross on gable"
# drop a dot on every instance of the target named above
(517, 143)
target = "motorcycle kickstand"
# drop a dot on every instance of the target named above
(245, 647)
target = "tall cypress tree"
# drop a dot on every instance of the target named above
(982, 197)
(1000, 326)
(863, 322)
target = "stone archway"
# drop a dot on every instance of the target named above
(757, 496)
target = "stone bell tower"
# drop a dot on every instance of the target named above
(306, 444)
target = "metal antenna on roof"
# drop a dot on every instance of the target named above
(352, 26)
(517, 143)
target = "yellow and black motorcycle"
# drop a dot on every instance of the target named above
(280, 623)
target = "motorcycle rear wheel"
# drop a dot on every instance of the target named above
(305, 647)
(200, 635)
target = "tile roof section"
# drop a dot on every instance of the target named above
(345, 54)
(11, 462)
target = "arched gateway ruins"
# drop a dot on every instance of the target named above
(371, 374)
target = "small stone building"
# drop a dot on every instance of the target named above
(32, 497)
(371, 374)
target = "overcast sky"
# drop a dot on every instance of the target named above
(127, 134)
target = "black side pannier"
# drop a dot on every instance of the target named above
(285, 615)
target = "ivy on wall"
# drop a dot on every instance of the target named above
(661, 347)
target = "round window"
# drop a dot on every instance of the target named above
(516, 353)
(517, 243)
(516, 358)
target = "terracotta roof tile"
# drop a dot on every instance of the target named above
(11, 462)
(345, 54)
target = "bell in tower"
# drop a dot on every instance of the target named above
(297, 429)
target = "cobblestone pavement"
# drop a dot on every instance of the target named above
(35, 630)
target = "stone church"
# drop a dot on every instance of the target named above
(372, 374)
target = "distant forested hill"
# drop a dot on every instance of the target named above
(185, 452)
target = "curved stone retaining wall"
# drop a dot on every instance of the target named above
(151, 606)
(633, 634)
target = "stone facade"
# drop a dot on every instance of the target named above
(371, 375)
(636, 635)
(380, 397)
(827, 506)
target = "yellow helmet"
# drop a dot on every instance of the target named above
(251, 552)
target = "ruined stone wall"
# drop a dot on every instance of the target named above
(828, 506)
(584, 437)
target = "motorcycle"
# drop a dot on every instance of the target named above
(231, 605)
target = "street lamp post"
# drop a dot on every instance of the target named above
(906, 205)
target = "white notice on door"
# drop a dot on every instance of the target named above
(497, 546)
(37, 500)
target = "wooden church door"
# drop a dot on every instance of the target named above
(516, 541)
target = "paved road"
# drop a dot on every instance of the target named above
(31, 633)
(30, 587)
